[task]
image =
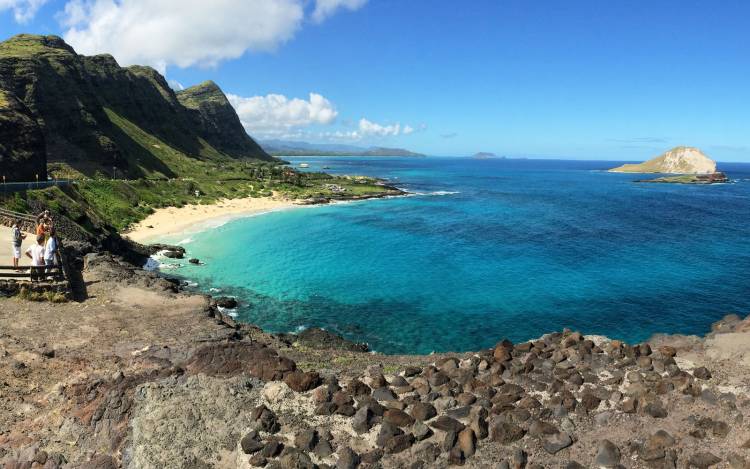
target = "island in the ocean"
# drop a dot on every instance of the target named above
(295, 148)
(689, 164)
(485, 155)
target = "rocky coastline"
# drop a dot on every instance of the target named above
(144, 375)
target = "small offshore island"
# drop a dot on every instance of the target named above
(689, 164)
(124, 368)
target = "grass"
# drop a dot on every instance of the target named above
(52, 297)
(25, 45)
(119, 203)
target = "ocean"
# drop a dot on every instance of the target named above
(488, 249)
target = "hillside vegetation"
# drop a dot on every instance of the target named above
(98, 118)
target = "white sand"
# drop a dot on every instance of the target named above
(190, 218)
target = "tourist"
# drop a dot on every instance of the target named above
(50, 250)
(35, 252)
(18, 237)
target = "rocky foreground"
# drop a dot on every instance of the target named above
(142, 376)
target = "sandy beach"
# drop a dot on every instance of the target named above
(171, 221)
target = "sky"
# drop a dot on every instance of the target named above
(581, 79)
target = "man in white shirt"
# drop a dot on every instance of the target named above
(50, 249)
(35, 252)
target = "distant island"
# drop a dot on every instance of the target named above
(689, 164)
(295, 148)
(678, 160)
(485, 155)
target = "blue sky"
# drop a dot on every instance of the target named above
(577, 79)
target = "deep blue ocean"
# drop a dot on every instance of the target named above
(487, 249)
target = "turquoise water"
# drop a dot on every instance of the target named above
(486, 250)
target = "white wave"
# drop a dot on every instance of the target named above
(185, 241)
(190, 284)
(231, 312)
(431, 194)
(300, 329)
(151, 265)
(214, 290)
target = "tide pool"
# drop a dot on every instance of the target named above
(487, 249)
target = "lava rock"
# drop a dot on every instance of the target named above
(702, 373)
(348, 459)
(505, 432)
(251, 443)
(607, 454)
(362, 421)
(306, 440)
(555, 443)
(300, 381)
(447, 424)
(423, 411)
(703, 460)
(398, 443)
(398, 418)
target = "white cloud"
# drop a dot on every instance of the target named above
(23, 10)
(179, 32)
(326, 8)
(184, 33)
(276, 115)
(368, 128)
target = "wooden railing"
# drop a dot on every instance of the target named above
(34, 274)
(17, 215)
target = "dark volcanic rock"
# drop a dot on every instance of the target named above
(398, 443)
(302, 381)
(423, 411)
(362, 421)
(555, 443)
(702, 373)
(348, 459)
(398, 417)
(226, 302)
(251, 443)
(233, 358)
(447, 424)
(703, 460)
(306, 439)
(321, 339)
(266, 419)
(607, 454)
(505, 432)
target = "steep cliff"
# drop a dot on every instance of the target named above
(678, 160)
(96, 115)
(21, 142)
(217, 119)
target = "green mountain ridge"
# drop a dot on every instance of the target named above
(91, 116)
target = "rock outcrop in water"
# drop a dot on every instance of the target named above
(679, 160)
(94, 114)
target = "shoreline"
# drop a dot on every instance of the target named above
(171, 221)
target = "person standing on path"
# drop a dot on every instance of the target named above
(50, 250)
(36, 254)
(18, 237)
